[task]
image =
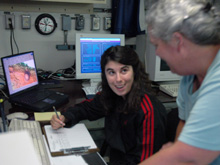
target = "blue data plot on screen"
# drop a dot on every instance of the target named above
(89, 49)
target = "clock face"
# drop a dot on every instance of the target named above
(45, 24)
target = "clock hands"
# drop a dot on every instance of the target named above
(48, 23)
(45, 24)
(45, 21)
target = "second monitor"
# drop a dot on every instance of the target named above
(89, 48)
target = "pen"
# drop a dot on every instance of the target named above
(56, 112)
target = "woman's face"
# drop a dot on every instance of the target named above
(120, 77)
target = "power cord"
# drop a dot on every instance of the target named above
(3, 116)
(12, 37)
(60, 74)
(6, 96)
(2, 86)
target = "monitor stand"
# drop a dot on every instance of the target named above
(91, 83)
(90, 87)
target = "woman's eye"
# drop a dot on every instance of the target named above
(110, 72)
(124, 70)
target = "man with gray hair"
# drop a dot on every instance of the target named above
(186, 34)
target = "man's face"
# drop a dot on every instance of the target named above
(167, 52)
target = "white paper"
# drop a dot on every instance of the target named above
(17, 148)
(65, 160)
(64, 138)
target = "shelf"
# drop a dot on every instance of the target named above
(49, 7)
(73, 1)
(63, 6)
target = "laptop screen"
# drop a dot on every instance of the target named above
(20, 72)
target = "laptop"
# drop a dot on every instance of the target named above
(24, 89)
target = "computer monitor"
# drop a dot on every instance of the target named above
(89, 49)
(157, 68)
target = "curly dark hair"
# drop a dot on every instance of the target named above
(141, 84)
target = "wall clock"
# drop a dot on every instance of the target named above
(45, 24)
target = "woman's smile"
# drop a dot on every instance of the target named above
(120, 77)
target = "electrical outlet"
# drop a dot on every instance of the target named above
(95, 23)
(80, 22)
(25, 21)
(66, 22)
(107, 23)
(9, 20)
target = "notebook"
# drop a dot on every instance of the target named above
(24, 89)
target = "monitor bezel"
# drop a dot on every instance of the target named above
(79, 74)
(11, 91)
(153, 63)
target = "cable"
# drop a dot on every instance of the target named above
(12, 52)
(12, 37)
(3, 115)
(4, 93)
(60, 74)
(15, 41)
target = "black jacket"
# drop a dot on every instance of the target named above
(131, 137)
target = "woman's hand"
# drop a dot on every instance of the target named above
(57, 123)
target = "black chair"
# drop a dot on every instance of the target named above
(172, 123)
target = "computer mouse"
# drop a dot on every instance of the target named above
(17, 115)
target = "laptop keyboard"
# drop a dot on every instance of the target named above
(34, 96)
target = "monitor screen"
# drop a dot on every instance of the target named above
(164, 66)
(20, 71)
(89, 49)
(157, 68)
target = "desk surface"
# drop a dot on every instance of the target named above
(73, 88)
(76, 95)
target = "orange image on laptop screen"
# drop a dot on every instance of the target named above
(22, 74)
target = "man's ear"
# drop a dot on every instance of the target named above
(177, 40)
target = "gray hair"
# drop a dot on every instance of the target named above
(197, 20)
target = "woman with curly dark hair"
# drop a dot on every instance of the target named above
(135, 120)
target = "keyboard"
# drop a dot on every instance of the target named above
(34, 128)
(90, 90)
(170, 88)
(33, 96)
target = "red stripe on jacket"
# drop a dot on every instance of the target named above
(89, 100)
(148, 123)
